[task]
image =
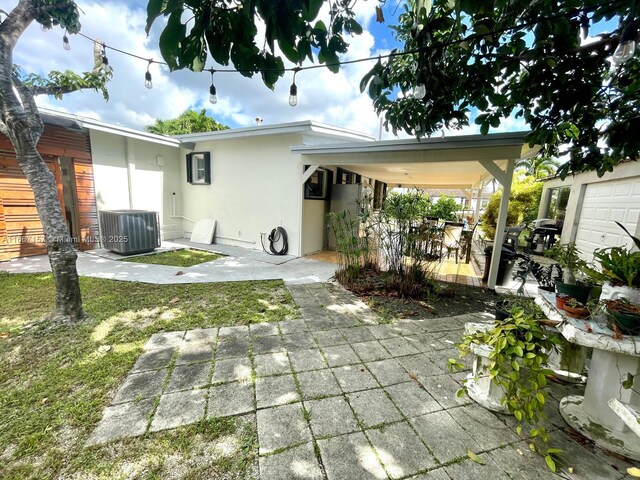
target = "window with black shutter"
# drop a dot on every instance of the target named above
(199, 168)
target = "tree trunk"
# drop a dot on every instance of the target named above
(20, 122)
(62, 256)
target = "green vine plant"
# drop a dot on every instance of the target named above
(518, 359)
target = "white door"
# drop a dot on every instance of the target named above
(604, 203)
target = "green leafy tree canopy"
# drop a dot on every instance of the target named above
(189, 121)
(517, 59)
(228, 31)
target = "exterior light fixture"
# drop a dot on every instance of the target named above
(293, 89)
(627, 46)
(420, 91)
(213, 96)
(147, 77)
(65, 41)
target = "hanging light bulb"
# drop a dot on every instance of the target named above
(293, 95)
(65, 41)
(45, 28)
(420, 91)
(213, 97)
(293, 90)
(627, 46)
(147, 77)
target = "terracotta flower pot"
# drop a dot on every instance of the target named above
(576, 312)
(561, 300)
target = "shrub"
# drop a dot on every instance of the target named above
(523, 204)
(444, 208)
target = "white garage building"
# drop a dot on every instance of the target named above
(590, 206)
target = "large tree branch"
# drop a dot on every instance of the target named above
(16, 23)
(54, 90)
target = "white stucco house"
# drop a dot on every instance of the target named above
(249, 180)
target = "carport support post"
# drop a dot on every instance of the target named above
(476, 214)
(505, 178)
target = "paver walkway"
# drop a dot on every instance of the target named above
(337, 395)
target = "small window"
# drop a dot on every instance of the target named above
(316, 187)
(199, 168)
(345, 177)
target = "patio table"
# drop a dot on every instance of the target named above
(613, 358)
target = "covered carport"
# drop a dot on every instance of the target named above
(460, 162)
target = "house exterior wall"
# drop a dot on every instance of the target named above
(578, 185)
(255, 186)
(137, 174)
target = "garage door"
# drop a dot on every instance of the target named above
(604, 203)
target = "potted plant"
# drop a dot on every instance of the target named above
(546, 276)
(506, 306)
(575, 309)
(519, 349)
(624, 315)
(576, 281)
(620, 270)
(561, 300)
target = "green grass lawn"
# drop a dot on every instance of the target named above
(55, 381)
(176, 258)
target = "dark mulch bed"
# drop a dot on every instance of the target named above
(445, 300)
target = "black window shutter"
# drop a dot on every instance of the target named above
(207, 168)
(189, 168)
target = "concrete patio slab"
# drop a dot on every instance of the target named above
(232, 347)
(141, 385)
(443, 436)
(412, 400)
(180, 408)
(388, 372)
(195, 352)
(230, 399)
(331, 416)
(272, 364)
(201, 335)
(232, 370)
(400, 450)
(154, 359)
(298, 341)
(350, 456)
(298, 463)
(370, 351)
(164, 340)
(373, 407)
(268, 344)
(187, 377)
(282, 427)
(305, 360)
(318, 384)
(352, 378)
(121, 421)
(272, 391)
(340, 355)
(264, 329)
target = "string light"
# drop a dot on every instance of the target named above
(213, 97)
(625, 50)
(65, 41)
(147, 77)
(420, 91)
(105, 60)
(627, 46)
(293, 89)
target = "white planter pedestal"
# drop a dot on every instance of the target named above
(611, 361)
(479, 385)
(567, 360)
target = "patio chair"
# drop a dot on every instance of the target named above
(452, 236)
